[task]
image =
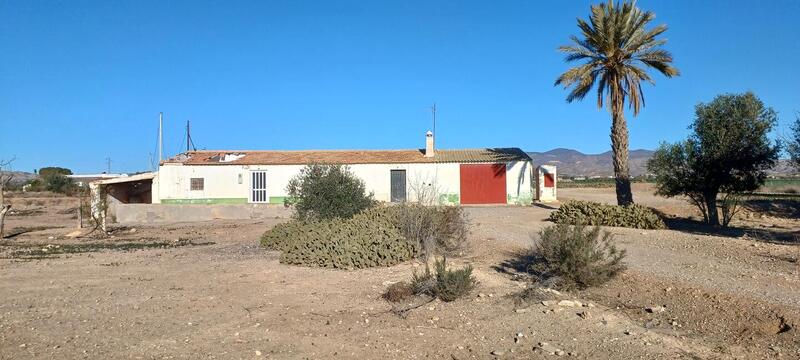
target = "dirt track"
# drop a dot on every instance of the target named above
(723, 297)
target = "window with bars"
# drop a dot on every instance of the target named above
(196, 184)
(258, 187)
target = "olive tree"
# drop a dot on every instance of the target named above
(326, 192)
(5, 179)
(727, 154)
(793, 145)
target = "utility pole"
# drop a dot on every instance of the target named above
(189, 141)
(108, 165)
(160, 137)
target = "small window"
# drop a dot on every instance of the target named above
(196, 184)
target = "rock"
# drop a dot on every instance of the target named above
(519, 311)
(566, 303)
(258, 353)
(628, 332)
(132, 230)
(559, 352)
(551, 291)
(655, 309)
(481, 295)
(546, 348)
(549, 302)
(498, 352)
(584, 314)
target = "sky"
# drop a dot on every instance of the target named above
(84, 81)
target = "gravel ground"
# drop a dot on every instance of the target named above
(709, 296)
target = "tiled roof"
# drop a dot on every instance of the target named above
(304, 157)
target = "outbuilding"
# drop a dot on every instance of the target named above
(462, 176)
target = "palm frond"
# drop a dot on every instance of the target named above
(617, 48)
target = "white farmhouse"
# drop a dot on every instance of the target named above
(468, 176)
(448, 177)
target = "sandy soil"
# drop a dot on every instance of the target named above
(711, 296)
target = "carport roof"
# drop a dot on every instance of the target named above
(347, 157)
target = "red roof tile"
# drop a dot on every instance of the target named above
(305, 157)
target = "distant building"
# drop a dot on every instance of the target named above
(85, 179)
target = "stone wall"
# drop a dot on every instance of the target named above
(158, 213)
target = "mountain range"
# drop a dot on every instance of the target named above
(575, 163)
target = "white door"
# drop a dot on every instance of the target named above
(258, 187)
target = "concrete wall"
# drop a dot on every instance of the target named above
(154, 213)
(546, 193)
(230, 184)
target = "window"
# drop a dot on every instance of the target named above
(196, 184)
(258, 187)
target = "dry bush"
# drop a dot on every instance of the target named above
(575, 257)
(439, 230)
(592, 213)
(453, 284)
(398, 292)
(444, 283)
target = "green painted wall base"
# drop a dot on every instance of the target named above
(524, 199)
(449, 199)
(204, 201)
(278, 199)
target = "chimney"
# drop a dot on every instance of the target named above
(429, 152)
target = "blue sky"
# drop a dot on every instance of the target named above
(81, 81)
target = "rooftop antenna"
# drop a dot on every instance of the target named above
(108, 165)
(160, 137)
(189, 142)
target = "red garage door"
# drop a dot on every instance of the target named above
(483, 184)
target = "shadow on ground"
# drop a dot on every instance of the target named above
(775, 235)
(516, 263)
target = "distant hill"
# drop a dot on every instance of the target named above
(21, 177)
(575, 163)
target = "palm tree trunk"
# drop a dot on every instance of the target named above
(619, 146)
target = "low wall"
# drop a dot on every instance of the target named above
(159, 213)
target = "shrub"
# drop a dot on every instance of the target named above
(327, 192)
(368, 239)
(424, 283)
(437, 230)
(453, 284)
(575, 257)
(592, 213)
(398, 292)
(446, 284)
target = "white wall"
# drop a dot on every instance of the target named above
(222, 185)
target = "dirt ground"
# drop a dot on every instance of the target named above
(207, 290)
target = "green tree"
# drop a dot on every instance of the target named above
(616, 49)
(793, 144)
(326, 192)
(54, 179)
(53, 170)
(727, 153)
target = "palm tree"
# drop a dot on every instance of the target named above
(616, 49)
